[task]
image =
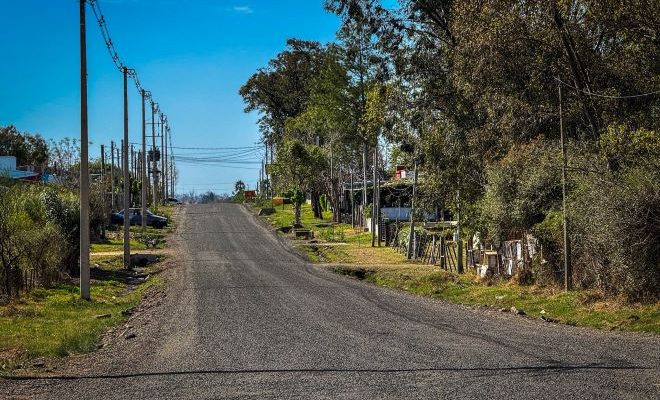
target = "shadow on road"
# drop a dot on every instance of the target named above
(498, 370)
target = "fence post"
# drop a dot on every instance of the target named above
(414, 245)
(459, 255)
(443, 262)
(432, 261)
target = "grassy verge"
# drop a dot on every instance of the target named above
(581, 308)
(385, 267)
(334, 243)
(55, 322)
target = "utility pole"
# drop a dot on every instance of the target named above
(166, 169)
(374, 212)
(459, 239)
(120, 166)
(127, 180)
(84, 161)
(143, 169)
(364, 184)
(112, 175)
(162, 157)
(153, 154)
(352, 201)
(377, 183)
(103, 193)
(133, 164)
(171, 169)
(411, 237)
(568, 268)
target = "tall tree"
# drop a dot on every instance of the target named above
(27, 148)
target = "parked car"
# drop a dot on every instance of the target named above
(135, 218)
(172, 201)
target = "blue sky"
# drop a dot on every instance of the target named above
(193, 55)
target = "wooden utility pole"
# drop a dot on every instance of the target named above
(84, 161)
(127, 180)
(568, 268)
(143, 169)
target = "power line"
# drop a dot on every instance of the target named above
(216, 148)
(632, 96)
(132, 73)
(103, 26)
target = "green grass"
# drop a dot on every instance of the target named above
(385, 267)
(357, 247)
(581, 308)
(114, 245)
(285, 215)
(56, 322)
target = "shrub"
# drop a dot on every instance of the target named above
(63, 210)
(30, 245)
(522, 188)
(615, 231)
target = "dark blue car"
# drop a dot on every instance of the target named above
(135, 218)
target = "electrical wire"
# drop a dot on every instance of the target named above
(121, 66)
(632, 96)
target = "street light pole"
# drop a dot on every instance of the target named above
(84, 162)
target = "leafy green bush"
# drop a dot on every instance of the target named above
(548, 266)
(31, 246)
(63, 210)
(522, 188)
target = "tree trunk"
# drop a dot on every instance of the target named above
(316, 205)
(296, 209)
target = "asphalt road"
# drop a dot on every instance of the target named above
(246, 318)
